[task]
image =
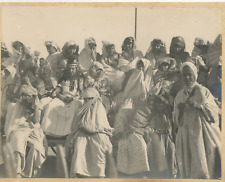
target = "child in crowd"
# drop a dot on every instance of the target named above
(161, 149)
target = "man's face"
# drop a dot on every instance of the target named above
(188, 76)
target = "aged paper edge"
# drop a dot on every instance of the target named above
(210, 5)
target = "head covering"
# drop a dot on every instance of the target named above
(156, 42)
(218, 41)
(68, 44)
(72, 62)
(25, 49)
(191, 66)
(164, 60)
(36, 53)
(105, 45)
(177, 41)
(199, 42)
(127, 40)
(169, 60)
(53, 44)
(89, 40)
(90, 93)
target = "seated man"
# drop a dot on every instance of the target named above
(24, 134)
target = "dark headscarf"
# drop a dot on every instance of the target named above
(66, 47)
(128, 40)
(177, 41)
(156, 42)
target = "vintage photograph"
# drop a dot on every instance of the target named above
(110, 92)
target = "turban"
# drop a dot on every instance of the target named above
(191, 66)
(53, 44)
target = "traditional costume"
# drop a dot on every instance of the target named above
(130, 127)
(214, 52)
(23, 132)
(180, 56)
(59, 113)
(88, 54)
(87, 145)
(159, 139)
(198, 143)
(58, 61)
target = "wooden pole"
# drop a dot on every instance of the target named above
(135, 28)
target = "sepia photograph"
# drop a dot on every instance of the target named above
(111, 92)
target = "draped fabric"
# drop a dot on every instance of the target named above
(6, 79)
(86, 56)
(56, 72)
(214, 52)
(87, 145)
(161, 149)
(129, 128)
(198, 144)
(140, 81)
(128, 62)
(153, 58)
(115, 77)
(58, 117)
(15, 57)
(163, 79)
(57, 114)
(112, 73)
(21, 134)
(58, 61)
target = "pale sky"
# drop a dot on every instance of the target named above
(35, 25)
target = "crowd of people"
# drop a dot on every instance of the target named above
(158, 114)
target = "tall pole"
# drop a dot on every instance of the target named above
(135, 28)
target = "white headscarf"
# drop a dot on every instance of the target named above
(191, 66)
